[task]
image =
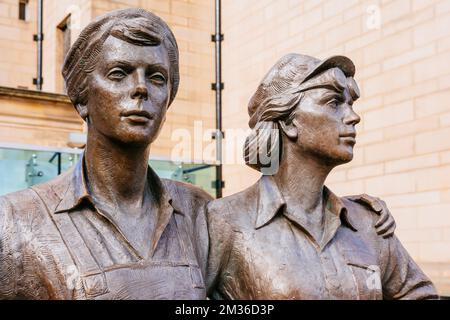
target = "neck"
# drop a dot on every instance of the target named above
(301, 179)
(116, 172)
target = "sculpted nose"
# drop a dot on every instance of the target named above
(140, 91)
(352, 117)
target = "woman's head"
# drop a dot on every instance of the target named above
(122, 74)
(290, 105)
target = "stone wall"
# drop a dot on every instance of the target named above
(17, 48)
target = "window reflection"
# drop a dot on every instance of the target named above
(20, 169)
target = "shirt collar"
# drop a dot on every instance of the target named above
(270, 201)
(77, 193)
(335, 205)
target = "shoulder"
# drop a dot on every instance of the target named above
(24, 202)
(361, 215)
(186, 190)
(185, 196)
(236, 207)
(242, 200)
(15, 217)
(17, 201)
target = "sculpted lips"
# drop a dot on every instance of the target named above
(349, 137)
(137, 116)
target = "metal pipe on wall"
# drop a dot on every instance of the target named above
(39, 38)
(218, 87)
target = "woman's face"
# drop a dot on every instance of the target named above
(326, 122)
(129, 92)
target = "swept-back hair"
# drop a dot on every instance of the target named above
(262, 148)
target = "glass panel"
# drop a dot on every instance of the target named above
(201, 175)
(20, 169)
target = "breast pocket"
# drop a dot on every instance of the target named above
(196, 277)
(366, 273)
(94, 285)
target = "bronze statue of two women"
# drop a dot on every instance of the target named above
(109, 228)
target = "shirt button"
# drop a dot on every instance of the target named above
(325, 257)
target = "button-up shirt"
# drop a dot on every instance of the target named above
(258, 250)
(55, 244)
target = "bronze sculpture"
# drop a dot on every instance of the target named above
(288, 236)
(110, 228)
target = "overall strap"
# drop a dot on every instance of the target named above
(92, 275)
(188, 252)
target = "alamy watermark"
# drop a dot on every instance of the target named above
(196, 145)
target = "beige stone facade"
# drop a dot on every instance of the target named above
(30, 116)
(401, 49)
(17, 48)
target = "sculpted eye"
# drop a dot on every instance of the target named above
(333, 103)
(158, 78)
(333, 100)
(116, 74)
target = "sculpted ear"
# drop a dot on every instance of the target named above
(289, 129)
(82, 111)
